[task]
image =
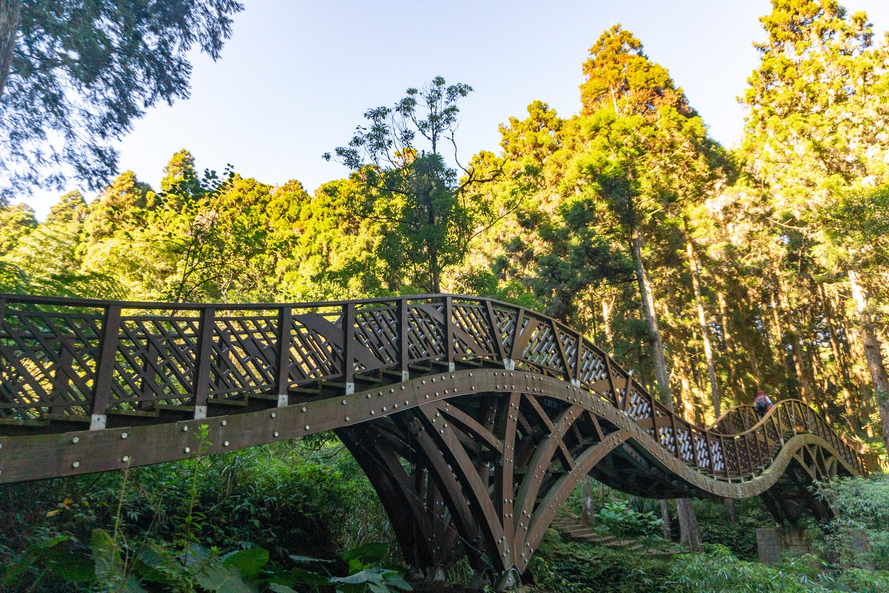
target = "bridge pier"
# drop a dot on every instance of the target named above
(773, 543)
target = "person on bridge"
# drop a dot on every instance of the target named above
(762, 403)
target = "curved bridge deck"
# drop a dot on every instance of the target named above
(477, 416)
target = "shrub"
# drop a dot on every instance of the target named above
(861, 506)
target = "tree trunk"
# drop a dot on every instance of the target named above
(662, 376)
(607, 306)
(702, 322)
(588, 512)
(872, 353)
(729, 347)
(665, 518)
(688, 524)
(10, 10)
(851, 413)
(796, 345)
(730, 512)
(861, 379)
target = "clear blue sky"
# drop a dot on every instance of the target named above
(296, 77)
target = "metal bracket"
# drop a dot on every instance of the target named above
(97, 421)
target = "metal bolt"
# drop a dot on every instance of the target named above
(75, 464)
(123, 435)
(304, 408)
(224, 422)
(372, 412)
(274, 415)
(75, 440)
(307, 427)
(188, 450)
(126, 459)
(384, 408)
(347, 418)
(184, 429)
(225, 444)
(344, 402)
(275, 434)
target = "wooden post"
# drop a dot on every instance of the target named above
(201, 387)
(349, 347)
(449, 332)
(105, 367)
(282, 355)
(403, 337)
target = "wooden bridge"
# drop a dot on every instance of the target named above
(473, 419)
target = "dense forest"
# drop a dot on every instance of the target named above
(712, 272)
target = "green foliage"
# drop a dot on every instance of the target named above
(364, 573)
(82, 72)
(738, 537)
(581, 568)
(719, 570)
(426, 216)
(859, 534)
(15, 222)
(622, 521)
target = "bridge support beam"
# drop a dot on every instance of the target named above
(481, 476)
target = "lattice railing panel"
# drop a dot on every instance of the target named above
(640, 406)
(541, 349)
(377, 330)
(593, 367)
(49, 362)
(569, 347)
(476, 336)
(506, 326)
(701, 450)
(426, 340)
(243, 357)
(316, 348)
(155, 362)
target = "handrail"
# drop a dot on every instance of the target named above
(119, 360)
(739, 415)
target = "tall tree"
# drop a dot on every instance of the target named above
(427, 212)
(815, 132)
(76, 74)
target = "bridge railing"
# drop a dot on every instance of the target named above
(80, 359)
